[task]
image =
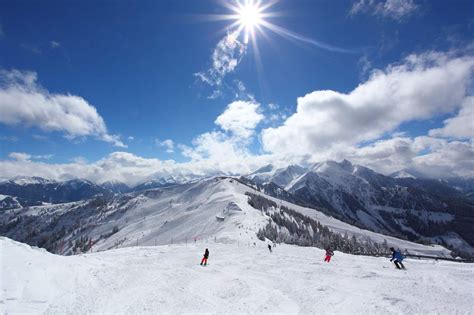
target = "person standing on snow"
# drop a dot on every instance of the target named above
(329, 254)
(205, 257)
(270, 248)
(397, 258)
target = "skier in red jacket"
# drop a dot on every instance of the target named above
(329, 254)
(205, 257)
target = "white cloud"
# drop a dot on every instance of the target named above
(20, 156)
(213, 145)
(275, 115)
(421, 87)
(113, 139)
(461, 126)
(227, 151)
(395, 9)
(79, 160)
(54, 44)
(24, 102)
(218, 153)
(326, 125)
(240, 118)
(43, 157)
(168, 144)
(214, 153)
(226, 56)
(447, 159)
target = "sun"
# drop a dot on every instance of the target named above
(250, 15)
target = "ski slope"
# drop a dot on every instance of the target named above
(182, 213)
(238, 279)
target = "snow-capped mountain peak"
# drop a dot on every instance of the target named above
(265, 169)
(163, 181)
(280, 176)
(333, 167)
(407, 173)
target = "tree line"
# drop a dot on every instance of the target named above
(288, 226)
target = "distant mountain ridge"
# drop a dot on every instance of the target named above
(401, 205)
(33, 191)
(210, 209)
(418, 209)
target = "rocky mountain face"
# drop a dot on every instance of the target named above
(425, 210)
(116, 187)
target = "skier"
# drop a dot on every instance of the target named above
(329, 254)
(397, 258)
(270, 248)
(205, 257)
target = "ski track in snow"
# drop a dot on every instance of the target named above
(238, 279)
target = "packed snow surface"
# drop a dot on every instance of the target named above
(239, 279)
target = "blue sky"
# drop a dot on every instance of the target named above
(136, 63)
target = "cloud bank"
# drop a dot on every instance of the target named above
(362, 126)
(24, 102)
(420, 88)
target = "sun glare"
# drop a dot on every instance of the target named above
(253, 17)
(249, 15)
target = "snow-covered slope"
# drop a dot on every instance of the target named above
(239, 279)
(211, 209)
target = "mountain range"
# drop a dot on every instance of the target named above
(425, 210)
(402, 205)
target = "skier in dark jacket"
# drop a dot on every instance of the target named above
(270, 248)
(205, 257)
(397, 258)
(329, 254)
